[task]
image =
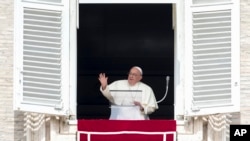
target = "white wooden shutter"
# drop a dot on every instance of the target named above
(41, 62)
(212, 37)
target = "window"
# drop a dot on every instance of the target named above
(114, 37)
(209, 59)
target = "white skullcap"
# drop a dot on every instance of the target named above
(138, 68)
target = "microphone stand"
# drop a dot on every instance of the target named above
(167, 82)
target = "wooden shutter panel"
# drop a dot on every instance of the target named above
(212, 58)
(213, 61)
(43, 49)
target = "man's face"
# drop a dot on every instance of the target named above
(134, 76)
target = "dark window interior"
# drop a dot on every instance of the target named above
(114, 37)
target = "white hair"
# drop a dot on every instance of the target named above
(138, 68)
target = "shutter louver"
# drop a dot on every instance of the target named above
(44, 1)
(42, 57)
(211, 59)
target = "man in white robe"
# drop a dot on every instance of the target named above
(139, 100)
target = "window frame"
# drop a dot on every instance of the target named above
(181, 69)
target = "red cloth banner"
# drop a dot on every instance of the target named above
(126, 130)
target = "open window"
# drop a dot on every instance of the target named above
(114, 37)
(209, 68)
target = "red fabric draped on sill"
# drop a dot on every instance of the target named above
(154, 127)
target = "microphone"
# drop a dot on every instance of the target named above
(167, 82)
(167, 78)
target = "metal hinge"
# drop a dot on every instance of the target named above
(195, 108)
(59, 106)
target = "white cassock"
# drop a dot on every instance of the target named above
(121, 96)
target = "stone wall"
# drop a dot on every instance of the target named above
(11, 123)
(245, 61)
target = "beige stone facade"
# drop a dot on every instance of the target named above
(245, 61)
(12, 124)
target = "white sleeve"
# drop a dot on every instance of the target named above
(107, 94)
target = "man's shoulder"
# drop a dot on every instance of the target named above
(145, 85)
(120, 82)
